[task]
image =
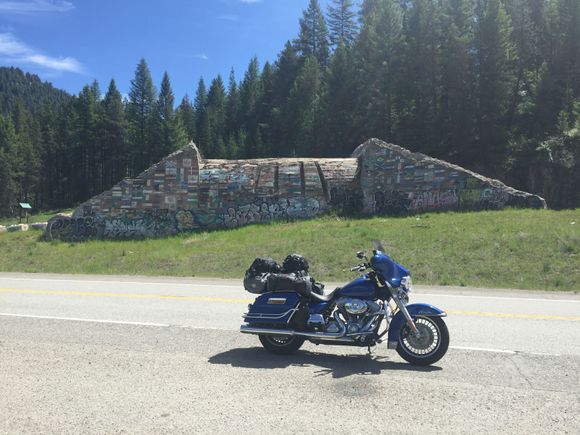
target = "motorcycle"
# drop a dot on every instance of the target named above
(353, 315)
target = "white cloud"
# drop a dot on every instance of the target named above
(33, 6)
(250, 1)
(201, 56)
(14, 51)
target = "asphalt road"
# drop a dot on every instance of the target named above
(93, 354)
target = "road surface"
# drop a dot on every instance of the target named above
(94, 354)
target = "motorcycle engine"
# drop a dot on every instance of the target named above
(357, 306)
(356, 312)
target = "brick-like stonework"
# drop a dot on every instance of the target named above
(184, 193)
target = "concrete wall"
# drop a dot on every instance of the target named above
(184, 193)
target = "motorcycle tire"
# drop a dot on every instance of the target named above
(281, 345)
(427, 349)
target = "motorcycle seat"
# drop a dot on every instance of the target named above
(325, 298)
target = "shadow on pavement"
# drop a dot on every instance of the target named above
(339, 366)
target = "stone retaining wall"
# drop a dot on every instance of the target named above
(184, 193)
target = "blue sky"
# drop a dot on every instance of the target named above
(70, 43)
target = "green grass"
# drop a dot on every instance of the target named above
(528, 249)
(37, 217)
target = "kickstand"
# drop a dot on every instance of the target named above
(369, 351)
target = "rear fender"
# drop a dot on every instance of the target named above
(415, 310)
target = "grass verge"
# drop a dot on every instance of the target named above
(528, 249)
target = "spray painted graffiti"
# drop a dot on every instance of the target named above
(433, 200)
(185, 221)
(392, 203)
(70, 228)
(493, 198)
(345, 199)
(267, 211)
(139, 223)
(118, 228)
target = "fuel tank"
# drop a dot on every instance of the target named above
(360, 288)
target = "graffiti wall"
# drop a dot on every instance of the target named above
(184, 193)
(395, 181)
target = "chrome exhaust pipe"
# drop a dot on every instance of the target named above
(340, 335)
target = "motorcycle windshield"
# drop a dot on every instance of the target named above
(391, 271)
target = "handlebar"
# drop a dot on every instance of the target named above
(359, 268)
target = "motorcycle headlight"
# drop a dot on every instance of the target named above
(406, 283)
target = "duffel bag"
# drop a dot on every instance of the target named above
(264, 265)
(289, 283)
(256, 283)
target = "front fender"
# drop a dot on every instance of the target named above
(414, 310)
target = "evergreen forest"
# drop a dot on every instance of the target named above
(491, 85)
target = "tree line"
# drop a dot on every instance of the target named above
(492, 85)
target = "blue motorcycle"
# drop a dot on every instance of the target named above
(353, 315)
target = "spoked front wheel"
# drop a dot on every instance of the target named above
(429, 346)
(281, 344)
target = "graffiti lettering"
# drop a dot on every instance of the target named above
(292, 208)
(434, 200)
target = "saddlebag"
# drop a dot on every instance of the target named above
(273, 309)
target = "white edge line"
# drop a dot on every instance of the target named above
(114, 322)
(75, 319)
(483, 349)
(510, 298)
(122, 282)
(240, 287)
(165, 325)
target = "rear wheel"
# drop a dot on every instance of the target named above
(427, 348)
(281, 344)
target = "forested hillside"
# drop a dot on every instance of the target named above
(492, 85)
(19, 87)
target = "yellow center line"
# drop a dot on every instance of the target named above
(123, 295)
(513, 315)
(246, 301)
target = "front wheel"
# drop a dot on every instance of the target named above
(431, 344)
(281, 344)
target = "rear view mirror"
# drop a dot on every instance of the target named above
(360, 254)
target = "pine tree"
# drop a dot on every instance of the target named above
(216, 108)
(25, 153)
(456, 121)
(86, 134)
(266, 108)
(336, 104)
(186, 116)
(202, 125)
(114, 137)
(559, 83)
(232, 124)
(167, 130)
(10, 166)
(495, 61)
(139, 114)
(379, 79)
(286, 70)
(313, 37)
(341, 22)
(303, 110)
(250, 94)
(418, 104)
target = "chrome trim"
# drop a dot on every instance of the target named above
(263, 316)
(316, 320)
(339, 336)
(406, 314)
